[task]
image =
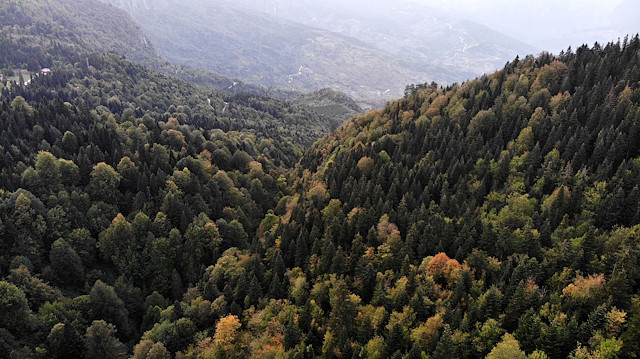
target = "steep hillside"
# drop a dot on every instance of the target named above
(116, 183)
(36, 33)
(263, 49)
(488, 218)
(119, 85)
(61, 34)
(498, 218)
(85, 24)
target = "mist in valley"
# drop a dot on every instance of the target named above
(372, 49)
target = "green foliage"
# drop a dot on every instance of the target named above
(104, 183)
(14, 309)
(106, 304)
(66, 263)
(101, 343)
(453, 222)
(507, 348)
(147, 349)
(200, 241)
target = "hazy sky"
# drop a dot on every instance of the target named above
(551, 25)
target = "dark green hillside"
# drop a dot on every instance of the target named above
(506, 207)
(118, 85)
(114, 174)
(57, 33)
(330, 103)
(86, 24)
(36, 34)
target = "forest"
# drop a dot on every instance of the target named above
(144, 217)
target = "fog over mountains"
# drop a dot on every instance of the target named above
(369, 50)
(423, 34)
(551, 25)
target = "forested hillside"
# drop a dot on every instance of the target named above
(114, 174)
(56, 35)
(81, 24)
(494, 218)
(498, 217)
(114, 83)
(35, 34)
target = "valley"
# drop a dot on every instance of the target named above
(371, 65)
(153, 209)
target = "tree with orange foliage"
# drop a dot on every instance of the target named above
(226, 332)
(442, 265)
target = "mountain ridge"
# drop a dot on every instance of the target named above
(57, 34)
(408, 29)
(290, 54)
(119, 34)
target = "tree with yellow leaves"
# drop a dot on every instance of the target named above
(226, 338)
(508, 348)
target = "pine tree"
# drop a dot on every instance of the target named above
(445, 347)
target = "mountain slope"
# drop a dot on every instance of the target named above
(294, 128)
(84, 23)
(109, 170)
(497, 218)
(89, 25)
(410, 29)
(274, 52)
(505, 205)
(62, 34)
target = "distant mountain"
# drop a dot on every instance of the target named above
(330, 103)
(56, 33)
(414, 31)
(87, 26)
(552, 25)
(82, 24)
(261, 48)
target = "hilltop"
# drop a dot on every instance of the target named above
(331, 103)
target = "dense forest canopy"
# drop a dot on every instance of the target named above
(91, 153)
(498, 217)
(144, 217)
